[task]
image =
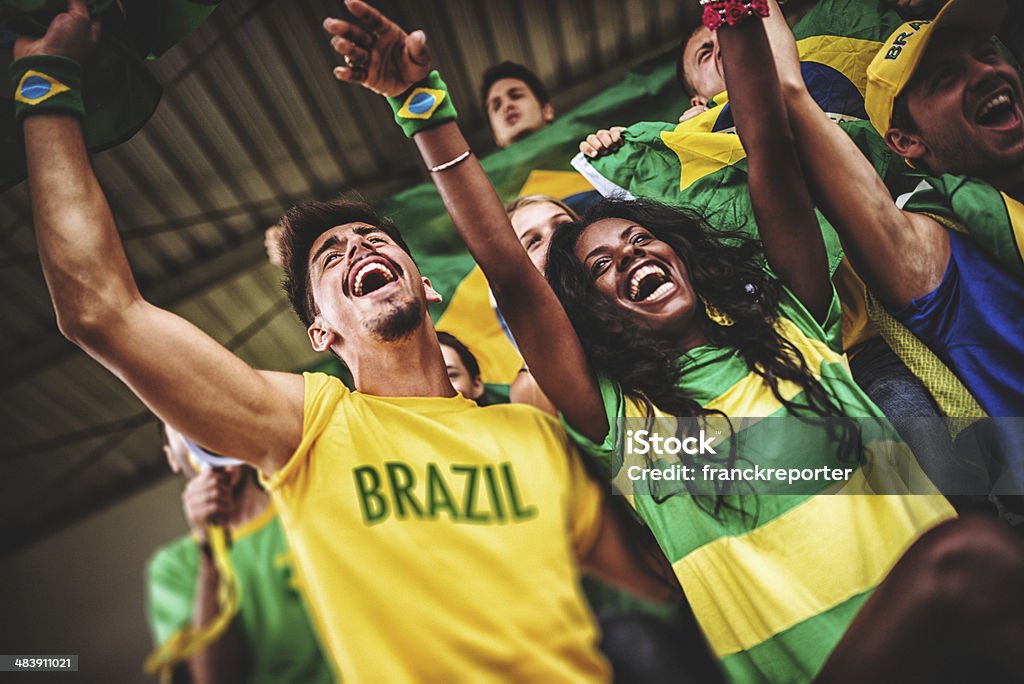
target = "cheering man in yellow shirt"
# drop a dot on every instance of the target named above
(437, 540)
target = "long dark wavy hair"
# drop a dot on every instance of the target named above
(727, 270)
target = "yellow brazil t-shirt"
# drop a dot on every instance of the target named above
(437, 539)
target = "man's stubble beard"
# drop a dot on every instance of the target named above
(959, 153)
(398, 322)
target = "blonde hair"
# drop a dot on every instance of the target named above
(527, 200)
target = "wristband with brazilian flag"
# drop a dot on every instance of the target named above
(425, 105)
(45, 84)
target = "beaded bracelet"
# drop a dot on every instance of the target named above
(718, 13)
(450, 163)
(45, 84)
(425, 105)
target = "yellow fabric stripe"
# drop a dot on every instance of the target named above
(815, 351)
(188, 641)
(746, 589)
(857, 325)
(748, 397)
(1016, 212)
(701, 152)
(470, 317)
(560, 184)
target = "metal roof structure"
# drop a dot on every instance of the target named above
(251, 122)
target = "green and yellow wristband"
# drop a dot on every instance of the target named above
(46, 84)
(425, 105)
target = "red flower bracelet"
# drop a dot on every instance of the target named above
(731, 12)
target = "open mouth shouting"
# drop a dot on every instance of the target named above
(649, 282)
(999, 111)
(370, 275)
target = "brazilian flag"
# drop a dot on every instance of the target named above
(120, 93)
(837, 39)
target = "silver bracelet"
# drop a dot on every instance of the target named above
(449, 164)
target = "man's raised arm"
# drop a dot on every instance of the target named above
(900, 255)
(782, 205)
(380, 56)
(184, 376)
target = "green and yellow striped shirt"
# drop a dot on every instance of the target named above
(775, 588)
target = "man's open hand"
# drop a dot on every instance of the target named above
(378, 54)
(71, 34)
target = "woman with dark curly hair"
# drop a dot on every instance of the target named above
(634, 339)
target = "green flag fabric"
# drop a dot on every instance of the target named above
(994, 219)
(120, 93)
(703, 170)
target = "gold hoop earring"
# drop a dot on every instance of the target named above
(716, 315)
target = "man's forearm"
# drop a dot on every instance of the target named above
(782, 205)
(537, 320)
(474, 206)
(224, 660)
(825, 150)
(81, 253)
(897, 257)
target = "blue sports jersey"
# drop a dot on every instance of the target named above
(974, 322)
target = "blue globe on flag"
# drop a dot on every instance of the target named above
(421, 103)
(35, 87)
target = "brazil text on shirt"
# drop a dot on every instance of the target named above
(465, 493)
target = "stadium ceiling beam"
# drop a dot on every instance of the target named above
(18, 537)
(53, 347)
